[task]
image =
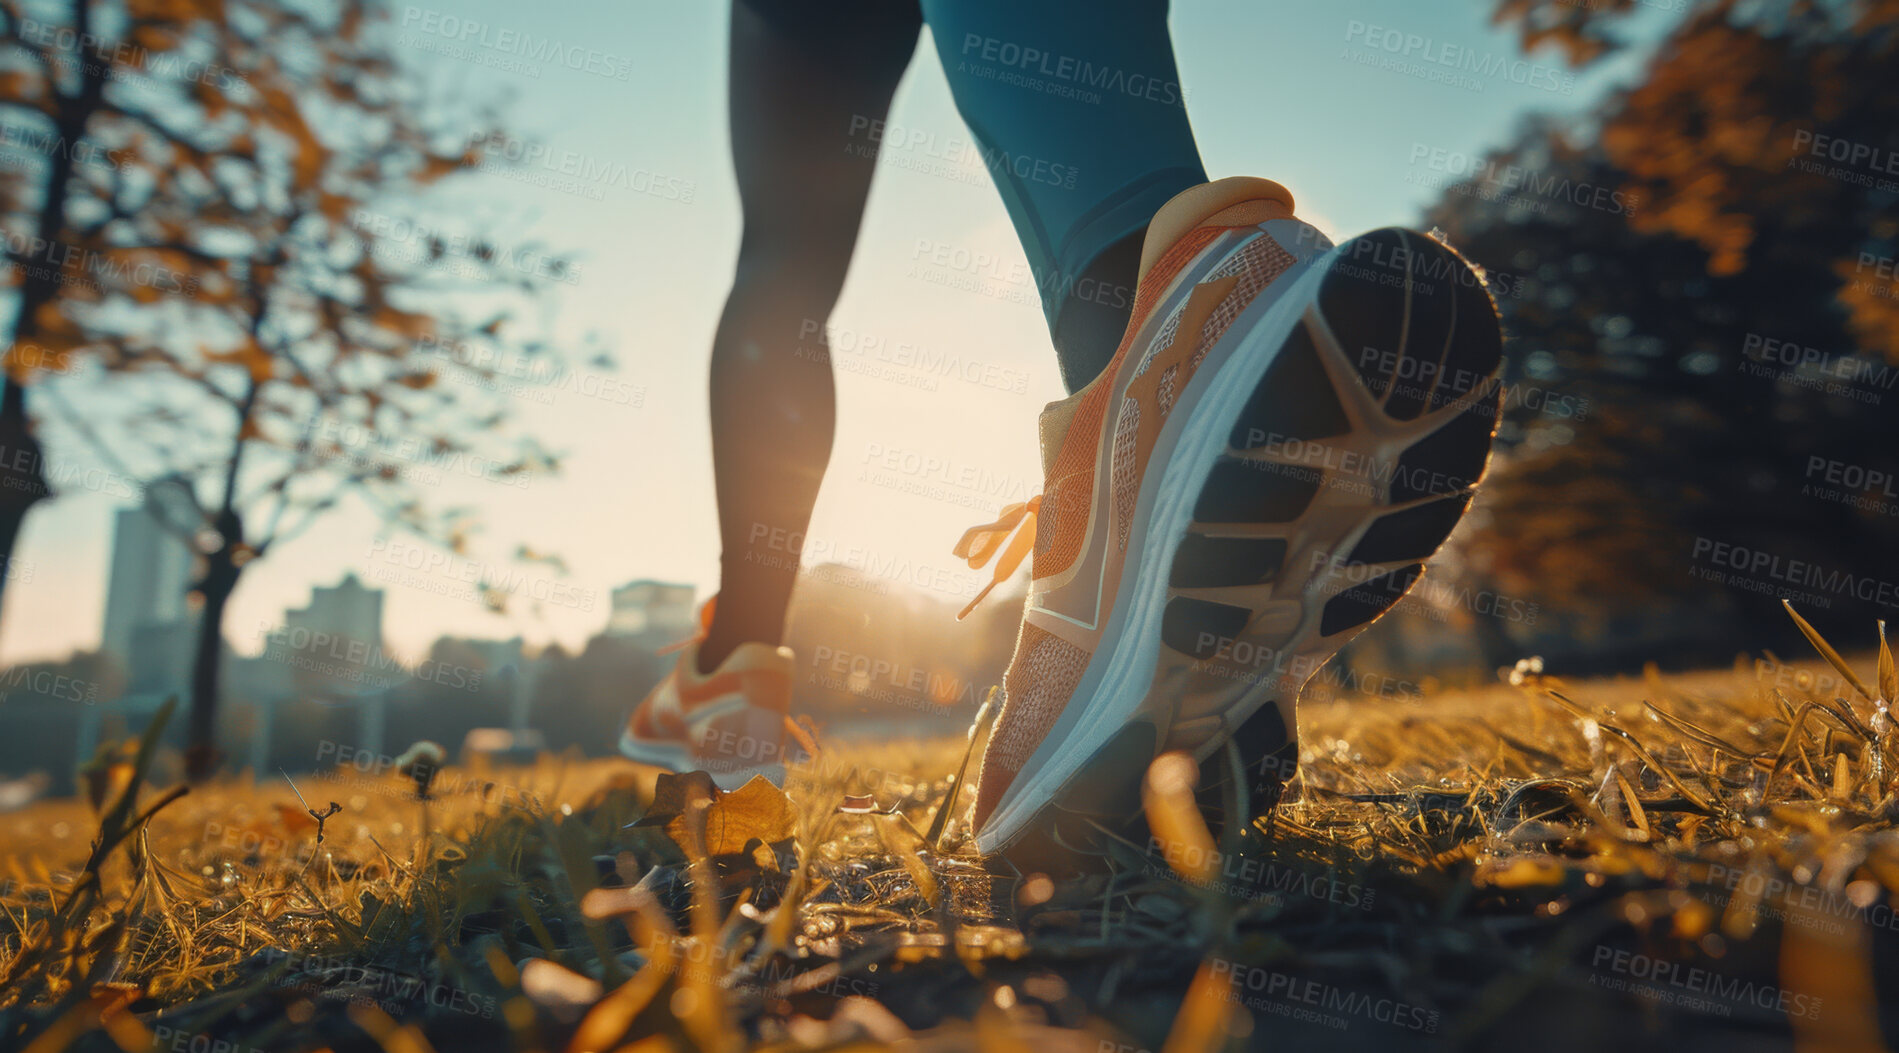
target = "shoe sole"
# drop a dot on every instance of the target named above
(675, 758)
(1248, 503)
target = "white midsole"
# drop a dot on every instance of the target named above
(1123, 682)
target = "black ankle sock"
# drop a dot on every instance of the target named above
(1095, 316)
(753, 612)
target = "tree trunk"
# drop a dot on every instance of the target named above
(22, 480)
(202, 756)
(22, 474)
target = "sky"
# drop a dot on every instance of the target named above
(1358, 106)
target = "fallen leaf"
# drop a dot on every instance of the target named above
(755, 810)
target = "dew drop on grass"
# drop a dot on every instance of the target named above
(684, 1001)
(1036, 890)
(1862, 893)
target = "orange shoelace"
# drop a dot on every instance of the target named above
(1016, 527)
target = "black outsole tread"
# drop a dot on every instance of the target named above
(1367, 600)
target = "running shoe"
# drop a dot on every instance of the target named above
(1288, 430)
(732, 723)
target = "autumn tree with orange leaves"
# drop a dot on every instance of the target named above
(283, 327)
(1709, 356)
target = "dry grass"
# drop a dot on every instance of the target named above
(1682, 861)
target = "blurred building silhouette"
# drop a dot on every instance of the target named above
(349, 612)
(656, 608)
(146, 609)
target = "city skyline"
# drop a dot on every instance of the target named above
(149, 626)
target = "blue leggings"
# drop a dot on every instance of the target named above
(1077, 109)
(1082, 123)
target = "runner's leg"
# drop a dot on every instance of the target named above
(802, 71)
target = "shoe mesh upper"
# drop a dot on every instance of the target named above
(1127, 428)
(1069, 487)
(1039, 682)
(1258, 264)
